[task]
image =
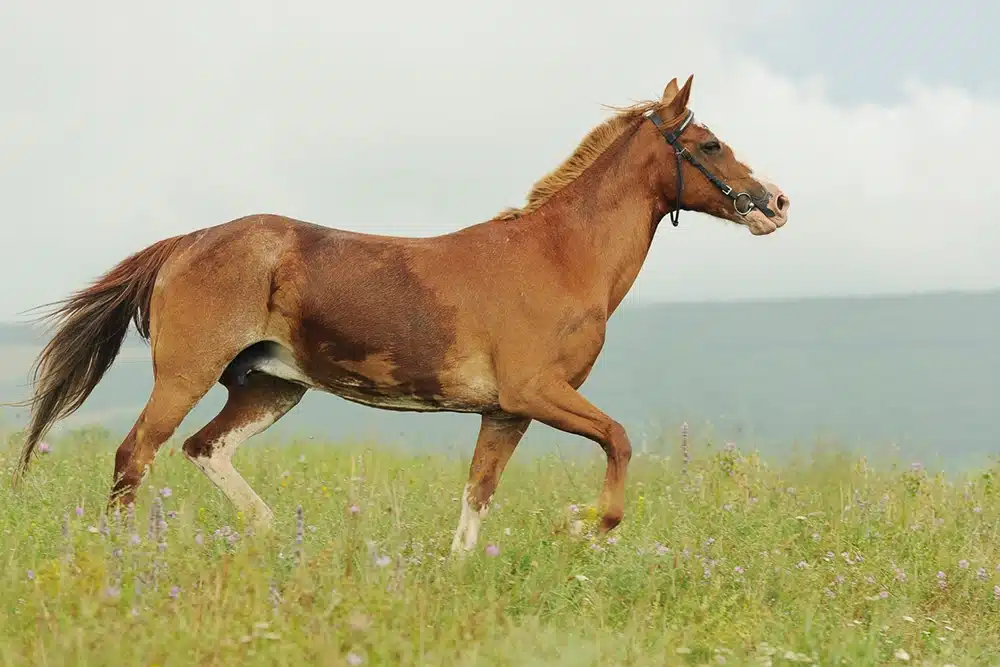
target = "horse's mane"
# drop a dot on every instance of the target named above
(590, 148)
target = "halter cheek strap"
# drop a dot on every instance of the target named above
(743, 202)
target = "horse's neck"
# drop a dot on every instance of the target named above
(610, 217)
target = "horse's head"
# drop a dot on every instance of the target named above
(701, 173)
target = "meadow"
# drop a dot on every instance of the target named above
(722, 558)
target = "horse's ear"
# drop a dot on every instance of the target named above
(678, 103)
(670, 91)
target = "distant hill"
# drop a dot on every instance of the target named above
(921, 372)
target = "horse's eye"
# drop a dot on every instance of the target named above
(711, 147)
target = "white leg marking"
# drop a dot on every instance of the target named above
(467, 533)
(218, 467)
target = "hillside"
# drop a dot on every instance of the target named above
(922, 372)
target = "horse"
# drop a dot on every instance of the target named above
(504, 318)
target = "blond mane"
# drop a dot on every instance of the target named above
(590, 148)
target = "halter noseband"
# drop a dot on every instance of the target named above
(748, 201)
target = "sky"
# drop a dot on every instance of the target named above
(127, 122)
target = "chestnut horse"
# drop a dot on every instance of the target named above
(504, 318)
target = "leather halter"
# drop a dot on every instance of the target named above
(743, 202)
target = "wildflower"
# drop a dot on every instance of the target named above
(79, 511)
(981, 574)
(574, 508)
(135, 539)
(31, 575)
(916, 466)
(113, 592)
(382, 560)
(815, 537)
(492, 550)
(963, 564)
(738, 569)
(44, 448)
(801, 565)
(839, 579)
(829, 593)
(166, 492)
(828, 557)
(354, 509)
(174, 592)
(662, 550)
(870, 580)
(942, 579)
(900, 574)
(977, 509)
(198, 539)
(506, 531)
(354, 659)
(901, 654)
(883, 594)
(612, 540)
(996, 591)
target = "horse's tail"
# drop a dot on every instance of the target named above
(92, 324)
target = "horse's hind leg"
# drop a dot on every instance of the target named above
(170, 401)
(255, 402)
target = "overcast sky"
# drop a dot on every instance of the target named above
(125, 122)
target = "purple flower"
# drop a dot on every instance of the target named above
(354, 509)
(977, 509)
(829, 593)
(113, 592)
(31, 575)
(383, 560)
(166, 492)
(574, 508)
(174, 592)
(981, 573)
(612, 540)
(738, 569)
(883, 594)
(964, 564)
(354, 659)
(79, 511)
(44, 448)
(492, 550)
(171, 514)
(198, 539)
(942, 579)
(135, 539)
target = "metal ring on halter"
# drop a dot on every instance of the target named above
(736, 203)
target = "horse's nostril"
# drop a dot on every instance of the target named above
(781, 203)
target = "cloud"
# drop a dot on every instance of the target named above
(132, 123)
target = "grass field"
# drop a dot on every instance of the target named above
(724, 560)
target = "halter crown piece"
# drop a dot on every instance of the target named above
(743, 202)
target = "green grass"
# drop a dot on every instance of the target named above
(820, 562)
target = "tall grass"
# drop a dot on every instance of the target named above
(720, 560)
